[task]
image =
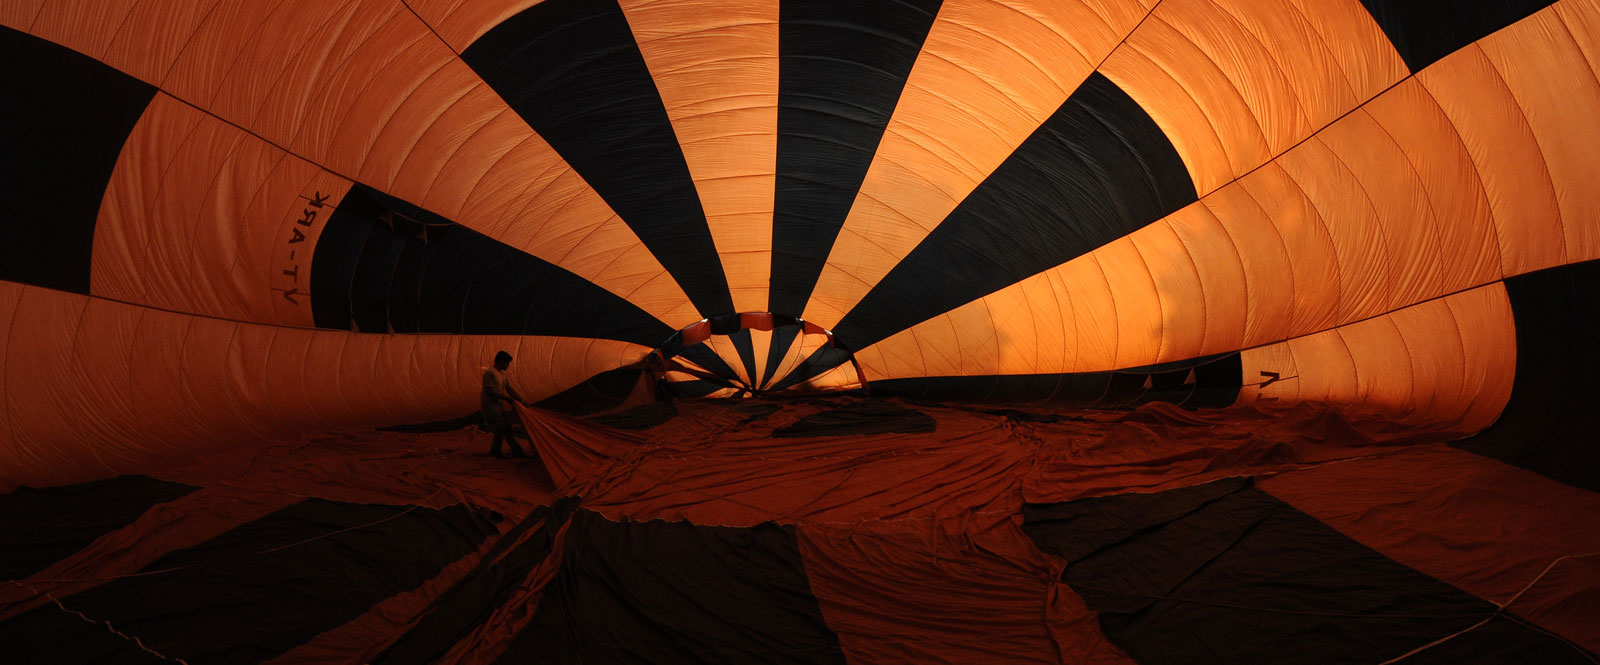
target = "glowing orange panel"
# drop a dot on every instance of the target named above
(95, 388)
(716, 69)
(990, 72)
(375, 96)
(1447, 362)
(1237, 82)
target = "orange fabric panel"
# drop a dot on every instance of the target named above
(1407, 232)
(1483, 526)
(1180, 299)
(20, 14)
(96, 388)
(152, 35)
(201, 217)
(1220, 273)
(1063, 320)
(1510, 164)
(990, 72)
(723, 346)
(1237, 82)
(1448, 362)
(462, 22)
(1135, 301)
(1264, 254)
(85, 26)
(1454, 202)
(717, 73)
(1489, 350)
(1350, 218)
(1552, 81)
(1297, 245)
(10, 297)
(374, 96)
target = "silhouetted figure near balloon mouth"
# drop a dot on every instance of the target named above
(498, 413)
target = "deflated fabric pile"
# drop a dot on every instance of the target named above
(863, 531)
(868, 331)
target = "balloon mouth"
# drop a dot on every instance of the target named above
(753, 354)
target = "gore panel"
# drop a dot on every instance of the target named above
(504, 568)
(675, 592)
(747, 354)
(66, 118)
(1549, 426)
(1423, 31)
(860, 419)
(43, 526)
(707, 358)
(841, 68)
(1098, 169)
(1226, 573)
(256, 591)
(383, 265)
(783, 337)
(572, 70)
(818, 363)
(601, 392)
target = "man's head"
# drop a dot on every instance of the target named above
(502, 360)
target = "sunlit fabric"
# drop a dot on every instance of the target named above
(1138, 328)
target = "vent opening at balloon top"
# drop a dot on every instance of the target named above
(753, 354)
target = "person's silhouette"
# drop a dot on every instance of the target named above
(498, 411)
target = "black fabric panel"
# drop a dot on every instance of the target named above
(842, 65)
(696, 388)
(860, 419)
(783, 337)
(1098, 169)
(572, 70)
(1225, 573)
(66, 118)
(1423, 31)
(334, 259)
(818, 363)
(43, 526)
(383, 265)
(1217, 382)
(708, 359)
(254, 592)
(1503, 640)
(476, 596)
(1551, 423)
(603, 391)
(674, 592)
(371, 290)
(1206, 382)
(747, 354)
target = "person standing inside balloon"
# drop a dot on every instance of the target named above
(498, 410)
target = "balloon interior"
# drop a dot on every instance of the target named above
(905, 331)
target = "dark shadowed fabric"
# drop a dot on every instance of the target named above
(664, 592)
